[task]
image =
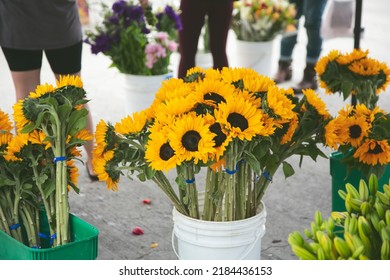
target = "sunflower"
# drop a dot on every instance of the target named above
(365, 67)
(280, 104)
(240, 118)
(292, 126)
(257, 84)
(316, 102)
(348, 58)
(19, 116)
(5, 123)
(358, 128)
(213, 92)
(159, 153)
(15, 146)
(191, 139)
(83, 135)
(73, 171)
(172, 88)
(372, 152)
(68, 80)
(41, 90)
(100, 166)
(176, 106)
(221, 140)
(236, 75)
(5, 138)
(103, 134)
(39, 137)
(336, 132)
(385, 71)
(322, 63)
(132, 124)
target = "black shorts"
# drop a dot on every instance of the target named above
(62, 61)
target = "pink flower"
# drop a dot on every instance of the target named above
(172, 46)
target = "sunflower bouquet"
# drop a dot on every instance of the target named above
(360, 132)
(138, 39)
(38, 163)
(262, 20)
(353, 73)
(234, 124)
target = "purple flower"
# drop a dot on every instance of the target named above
(102, 44)
(114, 19)
(172, 15)
(134, 13)
(119, 7)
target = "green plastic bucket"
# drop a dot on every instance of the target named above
(84, 245)
(338, 171)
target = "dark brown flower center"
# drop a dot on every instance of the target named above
(355, 131)
(213, 96)
(220, 136)
(166, 152)
(377, 150)
(190, 140)
(238, 120)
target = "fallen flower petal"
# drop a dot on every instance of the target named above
(153, 245)
(147, 201)
(137, 231)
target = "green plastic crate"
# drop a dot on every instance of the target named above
(338, 171)
(84, 245)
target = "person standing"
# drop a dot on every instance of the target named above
(312, 10)
(29, 28)
(219, 14)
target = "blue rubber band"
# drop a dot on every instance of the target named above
(267, 176)
(14, 226)
(54, 236)
(47, 236)
(34, 247)
(190, 181)
(56, 159)
(43, 235)
(231, 172)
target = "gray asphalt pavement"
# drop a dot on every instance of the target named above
(290, 203)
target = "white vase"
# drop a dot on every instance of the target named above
(206, 240)
(255, 55)
(140, 90)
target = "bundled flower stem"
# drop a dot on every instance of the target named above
(235, 124)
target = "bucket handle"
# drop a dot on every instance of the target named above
(259, 235)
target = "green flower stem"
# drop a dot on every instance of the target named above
(62, 204)
(30, 226)
(208, 208)
(192, 192)
(4, 224)
(17, 234)
(46, 202)
(162, 182)
(231, 183)
(241, 191)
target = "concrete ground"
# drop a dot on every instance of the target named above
(290, 203)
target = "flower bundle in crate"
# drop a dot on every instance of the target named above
(38, 162)
(360, 132)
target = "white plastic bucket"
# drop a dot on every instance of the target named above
(255, 55)
(205, 240)
(140, 90)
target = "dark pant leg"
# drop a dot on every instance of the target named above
(192, 17)
(219, 16)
